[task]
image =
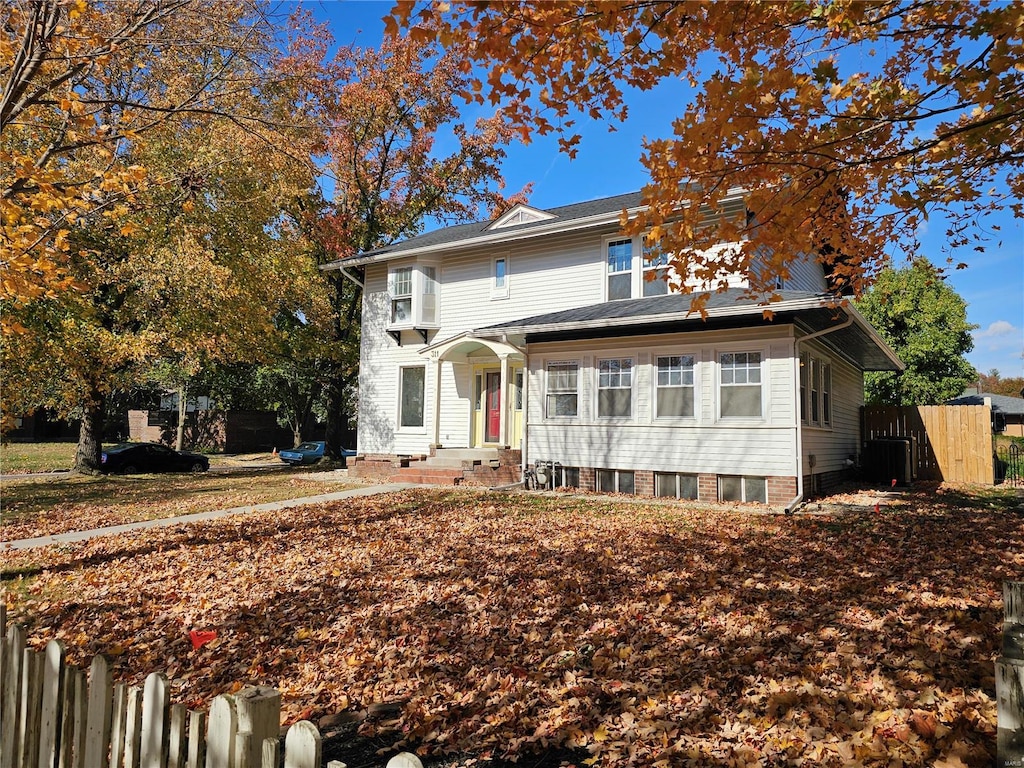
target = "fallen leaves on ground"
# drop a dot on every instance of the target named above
(645, 634)
(47, 506)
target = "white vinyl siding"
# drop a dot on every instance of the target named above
(703, 444)
(832, 447)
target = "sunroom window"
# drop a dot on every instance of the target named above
(740, 385)
(674, 387)
(615, 388)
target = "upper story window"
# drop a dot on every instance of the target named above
(740, 385)
(562, 389)
(413, 295)
(655, 271)
(615, 388)
(499, 277)
(674, 387)
(635, 269)
(620, 269)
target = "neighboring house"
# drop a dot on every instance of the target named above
(1007, 412)
(549, 332)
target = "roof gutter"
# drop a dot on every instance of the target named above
(346, 274)
(798, 499)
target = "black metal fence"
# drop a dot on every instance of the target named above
(1010, 463)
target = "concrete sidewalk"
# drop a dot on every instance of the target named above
(163, 522)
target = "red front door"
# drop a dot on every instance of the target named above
(492, 430)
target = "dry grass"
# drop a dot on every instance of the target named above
(45, 506)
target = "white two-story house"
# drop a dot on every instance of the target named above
(547, 335)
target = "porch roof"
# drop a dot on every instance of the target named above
(672, 313)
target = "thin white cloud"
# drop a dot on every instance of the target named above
(996, 329)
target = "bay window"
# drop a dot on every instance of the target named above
(413, 295)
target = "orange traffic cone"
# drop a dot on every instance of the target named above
(275, 451)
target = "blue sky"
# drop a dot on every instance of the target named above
(608, 164)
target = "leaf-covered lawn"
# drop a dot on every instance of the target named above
(46, 506)
(650, 635)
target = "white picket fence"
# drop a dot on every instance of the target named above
(56, 716)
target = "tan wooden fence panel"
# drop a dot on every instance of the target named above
(954, 442)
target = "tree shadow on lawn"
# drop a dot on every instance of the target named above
(505, 633)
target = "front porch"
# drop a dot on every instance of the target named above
(486, 467)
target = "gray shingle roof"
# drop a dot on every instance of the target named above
(652, 307)
(810, 312)
(461, 232)
(1008, 405)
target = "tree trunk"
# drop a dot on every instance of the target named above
(296, 435)
(179, 435)
(338, 433)
(90, 434)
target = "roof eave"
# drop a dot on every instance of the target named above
(794, 305)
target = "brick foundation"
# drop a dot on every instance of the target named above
(643, 482)
(707, 487)
(781, 490)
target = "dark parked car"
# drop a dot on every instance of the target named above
(309, 453)
(129, 458)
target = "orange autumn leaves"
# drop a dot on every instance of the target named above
(640, 634)
(848, 123)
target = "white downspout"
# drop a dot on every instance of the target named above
(792, 505)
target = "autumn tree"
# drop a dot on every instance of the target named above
(925, 322)
(185, 266)
(848, 123)
(398, 157)
(994, 383)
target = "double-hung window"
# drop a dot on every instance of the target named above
(615, 388)
(562, 390)
(740, 388)
(401, 296)
(655, 272)
(620, 269)
(499, 277)
(674, 387)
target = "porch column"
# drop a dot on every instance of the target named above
(503, 415)
(436, 357)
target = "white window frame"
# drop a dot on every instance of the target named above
(619, 374)
(500, 291)
(421, 285)
(656, 387)
(763, 367)
(608, 242)
(397, 282)
(815, 379)
(646, 266)
(549, 393)
(413, 428)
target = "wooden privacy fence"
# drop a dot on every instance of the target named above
(57, 716)
(954, 442)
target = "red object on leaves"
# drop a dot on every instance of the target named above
(878, 509)
(893, 483)
(200, 638)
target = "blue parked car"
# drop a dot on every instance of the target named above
(309, 453)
